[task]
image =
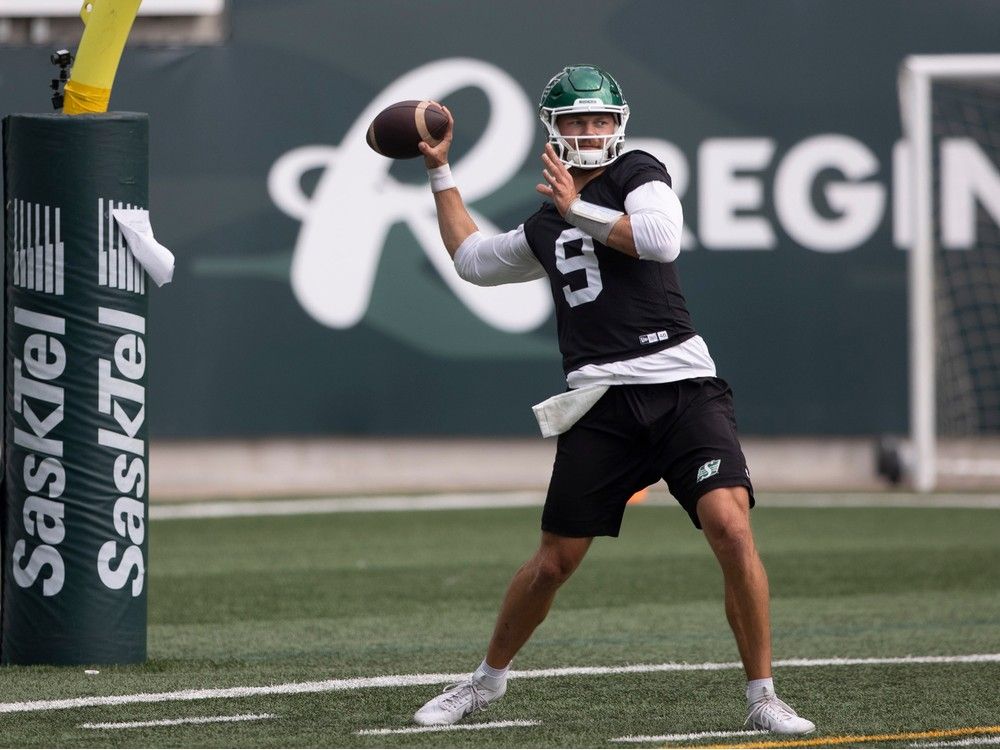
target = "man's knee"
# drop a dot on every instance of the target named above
(551, 572)
(557, 558)
(725, 518)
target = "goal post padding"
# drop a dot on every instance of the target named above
(75, 534)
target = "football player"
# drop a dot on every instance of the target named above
(644, 401)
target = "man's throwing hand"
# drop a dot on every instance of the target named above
(437, 156)
(561, 187)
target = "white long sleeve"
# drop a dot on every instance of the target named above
(657, 221)
(501, 259)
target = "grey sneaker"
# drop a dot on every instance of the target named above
(461, 699)
(774, 715)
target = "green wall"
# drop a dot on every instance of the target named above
(309, 296)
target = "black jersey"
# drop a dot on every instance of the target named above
(609, 306)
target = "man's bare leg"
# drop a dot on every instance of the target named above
(531, 593)
(725, 518)
(526, 603)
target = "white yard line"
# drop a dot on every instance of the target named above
(477, 500)
(412, 680)
(992, 740)
(450, 728)
(686, 737)
(176, 722)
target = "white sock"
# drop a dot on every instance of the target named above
(757, 688)
(496, 674)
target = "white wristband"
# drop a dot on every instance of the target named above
(441, 178)
(597, 221)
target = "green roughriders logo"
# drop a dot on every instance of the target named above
(709, 469)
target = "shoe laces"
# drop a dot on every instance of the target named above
(467, 691)
(771, 706)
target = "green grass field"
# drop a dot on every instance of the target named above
(266, 601)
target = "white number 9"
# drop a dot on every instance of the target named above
(587, 261)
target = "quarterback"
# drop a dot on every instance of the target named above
(644, 402)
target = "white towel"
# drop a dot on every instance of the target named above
(138, 233)
(557, 414)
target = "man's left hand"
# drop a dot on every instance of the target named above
(561, 187)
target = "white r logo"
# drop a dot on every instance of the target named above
(356, 202)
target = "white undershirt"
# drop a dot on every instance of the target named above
(657, 220)
(689, 359)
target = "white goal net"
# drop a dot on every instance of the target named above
(950, 108)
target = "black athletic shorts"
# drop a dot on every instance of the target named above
(683, 432)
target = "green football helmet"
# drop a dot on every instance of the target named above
(583, 89)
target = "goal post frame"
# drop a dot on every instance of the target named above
(917, 73)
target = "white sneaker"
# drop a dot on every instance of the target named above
(461, 699)
(774, 715)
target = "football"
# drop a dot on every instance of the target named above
(397, 130)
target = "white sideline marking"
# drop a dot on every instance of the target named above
(175, 722)
(413, 680)
(878, 500)
(686, 737)
(992, 740)
(477, 500)
(232, 509)
(451, 728)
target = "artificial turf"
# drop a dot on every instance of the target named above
(272, 600)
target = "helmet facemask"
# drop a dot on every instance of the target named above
(567, 146)
(584, 89)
